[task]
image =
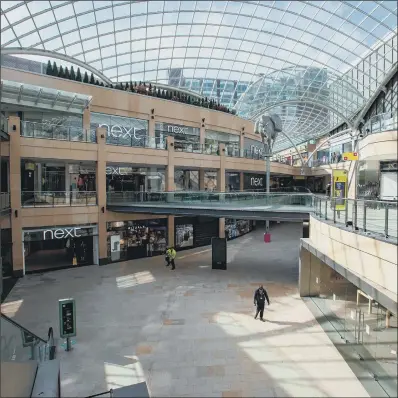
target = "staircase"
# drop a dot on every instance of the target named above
(29, 367)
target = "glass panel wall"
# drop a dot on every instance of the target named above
(57, 183)
(231, 141)
(368, 186)
(232, 182)
(186, 138)
(210, 181)
(138, 179)
(53, 125)
(186, 180)
(125, 131)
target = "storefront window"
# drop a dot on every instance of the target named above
(136, 239)
(6, 252)
(231, 141)
(368, 179)
(253, 148)
(210, 181)
(184, 236)
(185, 137)
(186, 180)
(232, 182)
(254, 182)
(120, 130)
(59, 247)
(136, 179)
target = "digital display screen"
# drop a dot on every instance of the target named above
(67, 319)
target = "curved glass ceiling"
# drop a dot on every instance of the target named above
(220, 48)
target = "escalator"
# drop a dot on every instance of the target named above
(29, 367)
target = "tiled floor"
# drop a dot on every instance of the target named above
(191, 332)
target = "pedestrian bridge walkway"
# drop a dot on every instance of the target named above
(248, 205)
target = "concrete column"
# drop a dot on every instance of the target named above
(101, 195)
(170, 165)
(241, 181)
(67, 183)
(151, 126)
(308, 274)
(221, 227)
(202, 134)
(15, 195)
(242, 143)
(201, 179)
(170, 230)
(221, 170)
(86, 121)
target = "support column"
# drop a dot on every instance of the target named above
(241, 181)
(221, 170)
(170, 165)
(221, 227)
(201, 179)
(101, 196)
(309, 274)
(151, 126)
(14, 129)
(242, 143)
(86, 121)
(170, 231)
(202, 136)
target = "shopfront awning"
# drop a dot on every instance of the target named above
(42, 97)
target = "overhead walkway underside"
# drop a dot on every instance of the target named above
(278, 207)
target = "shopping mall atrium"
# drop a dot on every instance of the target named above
(252, 142)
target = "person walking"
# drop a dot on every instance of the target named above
(170, 257)
(260, 295)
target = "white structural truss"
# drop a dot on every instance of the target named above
(335, 53)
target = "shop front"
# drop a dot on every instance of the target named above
(253, 149)
(121, 178)
(235, 228)
(51, 248)
(254, 182)
(186, 138)
(193, 232)
(128, 240)
(125, 131)
(231, 141)
(232, 182)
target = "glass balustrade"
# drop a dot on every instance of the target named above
(231, 199)
(56, 132)
(55, 199)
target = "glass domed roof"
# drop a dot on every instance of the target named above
(276, 50)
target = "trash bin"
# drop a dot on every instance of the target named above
(267, 238)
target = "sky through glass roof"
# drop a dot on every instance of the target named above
(282, 50)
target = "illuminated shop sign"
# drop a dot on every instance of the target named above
(176, 129)
(256, 181)
(61, 233)
(117, 131)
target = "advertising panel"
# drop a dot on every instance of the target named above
(184, 236)
(339, 188)
(253, 181)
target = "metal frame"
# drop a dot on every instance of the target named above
(336, 53)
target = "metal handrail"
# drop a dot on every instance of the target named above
(8, 319)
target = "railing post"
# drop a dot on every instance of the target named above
(364, 216)
(326, 209)
(334, 212)
(386, 222)
(355, 220)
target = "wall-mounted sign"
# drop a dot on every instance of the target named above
(256, 181)
(350, 156)
(117, 131)
(386, 166)
(173, 129)
(253, 181)
(253, 146)
(61, 233)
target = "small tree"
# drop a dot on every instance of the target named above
(85, 78)
(102, 84)
(92, 80)
(61, 72)
(78, 75)
(55, 69)
(49, 70)
(97, 83)
(67, 74)
(131, 86)
(72, 74)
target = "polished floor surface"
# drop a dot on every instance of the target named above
(190, 332)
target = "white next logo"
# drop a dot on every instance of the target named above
(177, 129)
(122, 132)
(61, 233)
(256, 181)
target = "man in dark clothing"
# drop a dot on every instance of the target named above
(260, 296)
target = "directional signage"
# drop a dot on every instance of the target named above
(67, 317)
(350, 156)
